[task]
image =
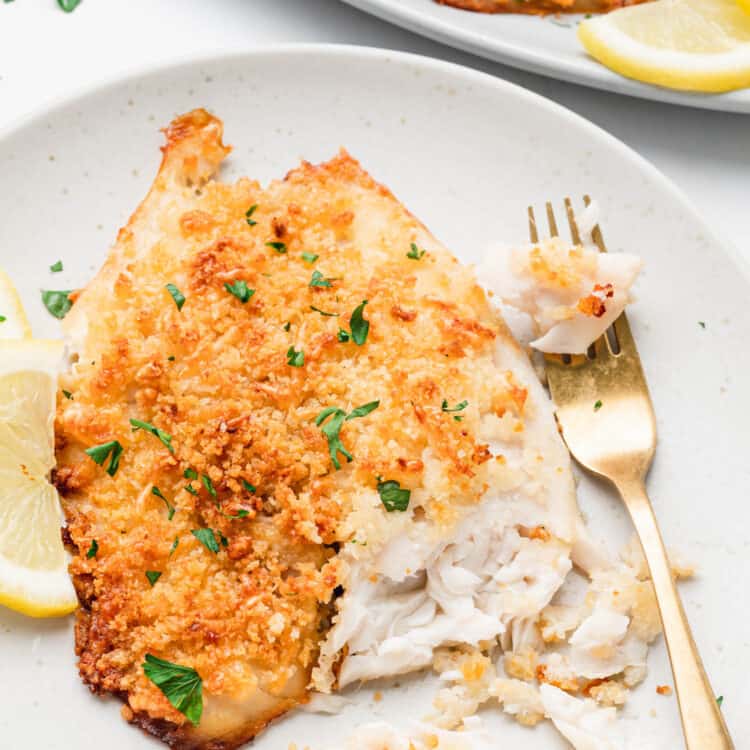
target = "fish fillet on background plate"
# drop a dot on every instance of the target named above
(301, 449)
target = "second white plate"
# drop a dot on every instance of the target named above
(545, 45)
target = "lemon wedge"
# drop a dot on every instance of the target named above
(13, 321)
(692, 45)
(33, 562)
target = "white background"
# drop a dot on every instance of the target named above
(46, 54)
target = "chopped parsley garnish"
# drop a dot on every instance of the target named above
(332, 428)
(319, 280)
(207, 539)
(287, 326)
(240, 290)
(57, 303)
(279, 247)
(360, 327)
(190, 473)
(209, 485)
(250, 211)
(93, 549)
(323, 312)
(597, 405)
(458, 407)
(415, 253)
(343, 336)
(153, 576)
(177, 295)
(166, 438)
(67, 394)
(224, 541)
(68, 5)
(56, 267)
(171, 357)
(174, 545)
(100, 453)
(702, 323)
(249, 487)
(309, 257)
(720, 700)
(393, 496)
(170, 508)
(295, 358)
(242, 513)
(189, 488)
(3, 319)
(182, 686)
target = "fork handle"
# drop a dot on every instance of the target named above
(702, 720)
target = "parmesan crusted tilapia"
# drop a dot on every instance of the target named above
(300, 449)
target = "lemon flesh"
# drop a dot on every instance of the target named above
(33, 563)
(691, 45)
(15, 324)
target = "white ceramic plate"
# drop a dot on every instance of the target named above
(542, 45)
(467, 153)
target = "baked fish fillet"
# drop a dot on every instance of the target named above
(325, 390)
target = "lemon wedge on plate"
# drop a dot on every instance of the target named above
(692, 45)
(33, 562)
(13, 321)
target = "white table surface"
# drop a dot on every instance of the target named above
(46, 54)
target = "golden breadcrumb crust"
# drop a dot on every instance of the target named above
(215, 376)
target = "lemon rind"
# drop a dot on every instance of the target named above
(36, 593)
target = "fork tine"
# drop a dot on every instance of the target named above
(533, 233)
(551, 220)
(572, 222)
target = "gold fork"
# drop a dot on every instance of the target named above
(604, 409)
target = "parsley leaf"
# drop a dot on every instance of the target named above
(323, 312)
(250, 211)
(332, 428)
(99, 454)
(458, 407)
(153, 576)
(166, 438)
(3, 319)
(309, 257)
(295, 358)
(287, 326)
(93, 549)
(702, 323)
(207, 539)
(279, 247)
(249, 487)
(57, 303)
(415, 253)
(174, 545)
(393, 496)
(242, 513)
(597, 405)
(67, 394)
(68, 5)
(343, 336)
(170, 508)
(177, 295)
(209, 485)
(720, 700)
(319, 280)
(190, 473)
(360, 327)
(182, 686)
(56, 267)
(189, 488)
(240, 290)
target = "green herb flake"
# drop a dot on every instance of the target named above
(209, 485)
(93, 549)
(68, 5)
(56, 267)
(323, 312)
(393, 496)
(720, 700)
(174, 545)
(190, 473)
(57, 303)
(177, 295)
(242, 513)
(279, 247)
(332, 428)
(170, 508)
(702, 324)
(360, 327)
(224, 541)
(207, 538)
(171, 357)
(240, 290)
(249, 487)
(165, 438)
(67, 394)
(250, 211)
(295, 358)
(182, 686)
(309, 257)
(153, 576)
(343, 336)
(458, 407)
(189, 488)
(287, 326)
(3, 319)
(318, 280)
(415, 253)
(99, 454)
(598, 405)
